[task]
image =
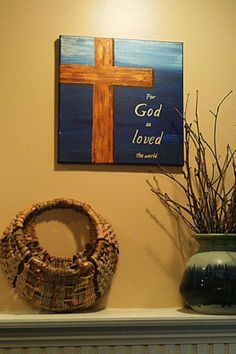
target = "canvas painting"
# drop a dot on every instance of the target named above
(118, 101)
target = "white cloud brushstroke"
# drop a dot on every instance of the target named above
(77, 50)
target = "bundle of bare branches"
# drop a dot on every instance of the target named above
(209, 183)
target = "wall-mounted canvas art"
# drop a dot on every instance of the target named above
(118, 101)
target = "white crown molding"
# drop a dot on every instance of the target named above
(115, 327)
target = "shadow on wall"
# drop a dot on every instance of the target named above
(183, 247)
(181, 240)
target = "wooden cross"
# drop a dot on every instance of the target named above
(104, 76)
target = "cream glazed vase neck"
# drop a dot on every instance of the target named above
(209, 280)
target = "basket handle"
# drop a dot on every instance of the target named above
(28, 214)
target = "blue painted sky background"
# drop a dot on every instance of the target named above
(75, 102)
(79, 50)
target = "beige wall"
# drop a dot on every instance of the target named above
(152, 253)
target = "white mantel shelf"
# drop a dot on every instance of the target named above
(117, 327)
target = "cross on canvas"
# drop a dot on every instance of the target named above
(118, 101)
(104, 76)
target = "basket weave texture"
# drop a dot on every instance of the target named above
(52, 283)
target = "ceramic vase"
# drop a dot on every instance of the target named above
(209, 281)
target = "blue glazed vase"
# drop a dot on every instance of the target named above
(209, 281)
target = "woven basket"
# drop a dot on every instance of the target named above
(53, 283)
